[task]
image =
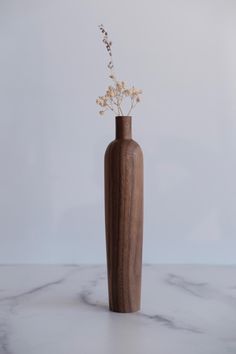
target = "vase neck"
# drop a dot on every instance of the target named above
(123, 127)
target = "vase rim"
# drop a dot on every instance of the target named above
(123, 116)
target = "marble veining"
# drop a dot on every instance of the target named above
(31, 291)
(171, 323)
(64, 309)
(196, 289)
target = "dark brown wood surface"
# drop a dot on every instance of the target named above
(124, 218)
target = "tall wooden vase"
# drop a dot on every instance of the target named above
(124, 218)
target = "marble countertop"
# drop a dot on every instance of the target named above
(63, 310)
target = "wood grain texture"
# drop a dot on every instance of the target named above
(124, 218)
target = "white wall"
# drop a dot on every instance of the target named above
(182, 53)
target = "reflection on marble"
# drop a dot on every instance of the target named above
(63, 310)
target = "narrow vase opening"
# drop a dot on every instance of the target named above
(123, 127)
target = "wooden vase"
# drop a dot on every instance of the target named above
(124, 218)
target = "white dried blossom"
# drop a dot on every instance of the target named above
(118, 92)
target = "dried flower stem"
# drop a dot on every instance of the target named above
(115, 95)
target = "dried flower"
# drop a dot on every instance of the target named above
(118, 92)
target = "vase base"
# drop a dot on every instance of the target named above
(133, 310)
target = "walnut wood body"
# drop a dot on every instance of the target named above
(124, 218)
